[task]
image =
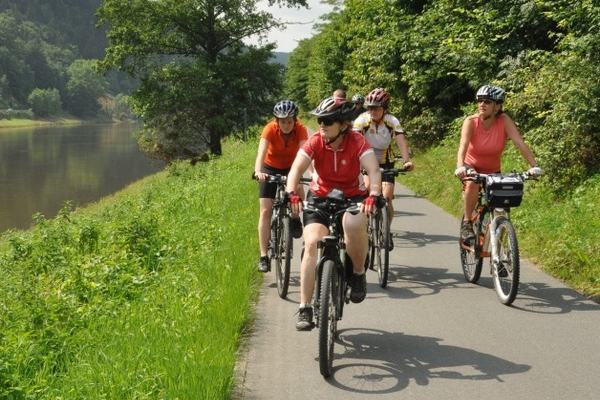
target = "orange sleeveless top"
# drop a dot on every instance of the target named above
(486, 147)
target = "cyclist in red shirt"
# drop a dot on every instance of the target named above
(483, 138)
(337, 155)
(278, 146)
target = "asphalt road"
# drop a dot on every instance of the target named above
(429, 334)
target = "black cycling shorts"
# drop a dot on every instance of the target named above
(267, 190)
(317, 218)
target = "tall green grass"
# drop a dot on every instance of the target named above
(145, 295)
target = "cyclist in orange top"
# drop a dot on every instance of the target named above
(279, 143)
(482, 141)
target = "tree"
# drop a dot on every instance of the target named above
(84, 88)
(44, 102)
(195, 72)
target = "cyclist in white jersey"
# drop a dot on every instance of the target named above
(381, 129)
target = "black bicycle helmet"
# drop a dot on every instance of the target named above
(285, 108)
(335, 108)
(491, 92)
(358, 98)
(378, 97)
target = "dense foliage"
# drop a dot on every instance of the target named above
(199, 82)
(433, 55)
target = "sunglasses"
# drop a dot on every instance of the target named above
(485, 101)
(326, 121)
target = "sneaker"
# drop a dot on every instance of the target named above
(264, 265)
(359, 288)
(466, 232)
(305, 319)
(296, 228)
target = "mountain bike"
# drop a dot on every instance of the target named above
(379, 235)
(333, 271)
(281, 244)
(495, 235)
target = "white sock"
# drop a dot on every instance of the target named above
(304, 305)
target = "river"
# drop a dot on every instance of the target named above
(43, 167)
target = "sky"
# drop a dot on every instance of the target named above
(288, 39)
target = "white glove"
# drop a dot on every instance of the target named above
(460, 171)
(534, 171)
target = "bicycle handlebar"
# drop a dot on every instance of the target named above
(481, 178)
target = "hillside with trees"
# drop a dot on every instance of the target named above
(48, 49)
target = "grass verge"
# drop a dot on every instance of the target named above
(144, 295)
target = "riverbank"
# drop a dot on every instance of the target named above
(24, 123)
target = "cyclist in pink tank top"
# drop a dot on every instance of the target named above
(482, 141)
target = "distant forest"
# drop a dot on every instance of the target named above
(46, 53)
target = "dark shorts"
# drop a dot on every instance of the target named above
(387, 178)
(267, 190)
(317, 218)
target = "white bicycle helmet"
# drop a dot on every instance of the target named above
(491, 92)
(285, 108)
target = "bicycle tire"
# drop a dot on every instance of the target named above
(372, 255)
(383, 249)
(506, 272)
(327, 316)
(471, 262)
(283, 256)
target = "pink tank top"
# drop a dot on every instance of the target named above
(486, 147)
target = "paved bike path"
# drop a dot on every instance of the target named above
(429, 334)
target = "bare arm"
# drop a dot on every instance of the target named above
(513, 133)
(465, 138)
(401, 143)
(370, 164)
(263, 146)
(299, 167)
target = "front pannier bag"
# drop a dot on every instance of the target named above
(504, 191)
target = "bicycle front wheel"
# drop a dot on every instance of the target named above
(283, 256)
(327, 316)
(506, 264)
(383, 249)
(471, 261)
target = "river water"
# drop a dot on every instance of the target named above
(43, 167)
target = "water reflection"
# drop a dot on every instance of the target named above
(42, 167)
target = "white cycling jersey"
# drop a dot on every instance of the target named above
(379, 135)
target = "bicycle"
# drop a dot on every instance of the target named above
(281, 244)
(495, 237)
(333, 269)
(379, 235)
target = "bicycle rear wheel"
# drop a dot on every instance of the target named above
(327, 316)
(471, 261)
(506, 264)
(283, 256)
(372, 232)
(383, 247)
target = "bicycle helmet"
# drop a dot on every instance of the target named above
(285, 108)
(378, 97)
(491, 92)
(335, 108)
(358, 98)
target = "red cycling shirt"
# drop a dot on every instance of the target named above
(485, 148)
(281, 154)
(337, 168)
